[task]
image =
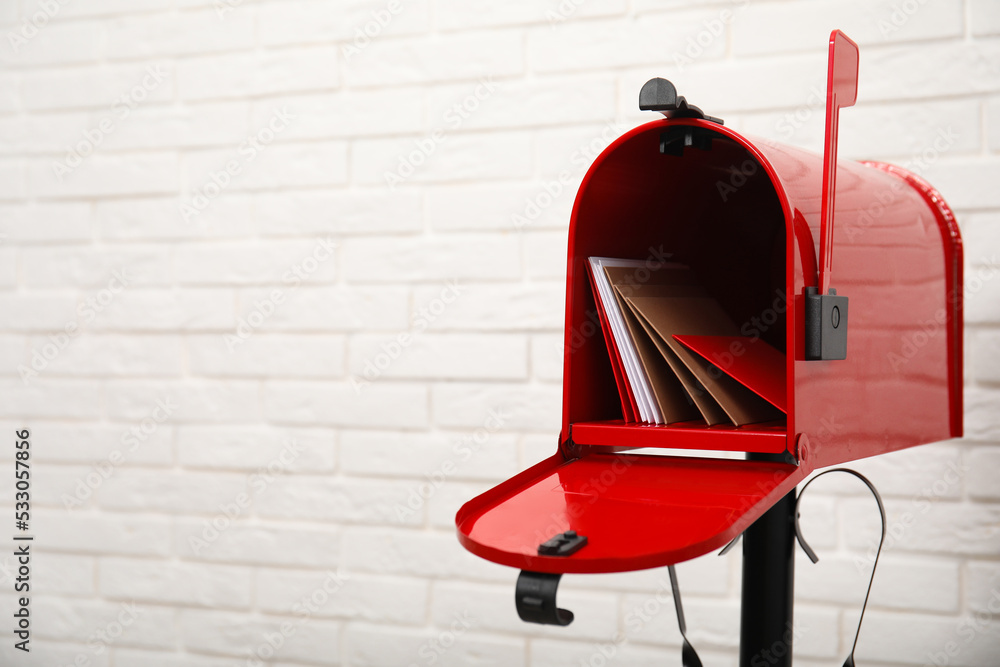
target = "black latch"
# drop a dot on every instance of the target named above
(826, 325)
(562, 544)
(661, 95)
(535, 598)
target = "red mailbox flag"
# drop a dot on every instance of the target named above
(841, 91)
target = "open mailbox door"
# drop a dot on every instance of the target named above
(754, 222)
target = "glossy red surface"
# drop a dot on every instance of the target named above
(746, 216)
(636, 511)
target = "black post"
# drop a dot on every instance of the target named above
(768, 587)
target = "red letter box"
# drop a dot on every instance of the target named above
(747, 217)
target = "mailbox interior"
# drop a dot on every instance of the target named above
(714, 208)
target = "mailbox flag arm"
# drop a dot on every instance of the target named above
(841, 91)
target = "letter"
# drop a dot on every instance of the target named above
(349, 51)
(22, 646)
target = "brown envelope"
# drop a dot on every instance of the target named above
(702, 316)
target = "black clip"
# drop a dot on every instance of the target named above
(661, 95)
(826, 325)
(562, 544)
(535, 598)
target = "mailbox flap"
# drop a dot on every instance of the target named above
(636, 511)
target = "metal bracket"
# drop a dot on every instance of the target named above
(826, 325)
(535, 598)
(661, 95)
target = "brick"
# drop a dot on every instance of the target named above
(457, 15)
(253, 637)
(980, 235)
(371, 502)
(189, 492)
(80, 533)
(467, 56)
(982, 587)
(349, 596)
(105, 175)
(62, 574)
(982, 421)
(306, 22)
(414, 355)
(267, 355)
(508, 104)
(439, 257)
(891, 132)
(545, 255)
(275, 262)
(921, 525)
(136, 309)
(189, 125)
(46, 397)
(182, 401)
(81, 42)
(241, 447)
(159, 218)
(894, 71)
(983, 18)
(177, 583)
(982, 296)
(128, 657)
(918, 639)
(178, 34)
(547, 357)
(985, 364)
(415, 553)
(442, 502)
(965, 183)
(983, 467)
(764, 28)
(993, 123)
(349, 212)
(13, 178)
(933, 472)
(388, 646)
(109, 7)
(561, 653)
(532, 407)
(645, 39)
(917, 584)
(262, 165)
(346, 403)
(261, 544)
(8, 267)
(478, 454)
(58, 222)
(488, 608)
(328, 309)
(440, 155)
(240, 75)
(130, 623)
(508, 307)
(53, 653)
(99, 86)
(496, 207)
(342, 115)
(535, 448)
(49, 267)
(95, 443)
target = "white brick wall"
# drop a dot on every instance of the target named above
(331, 339)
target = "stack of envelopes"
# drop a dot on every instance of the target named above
(676, 355)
